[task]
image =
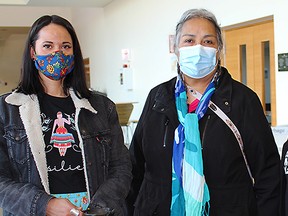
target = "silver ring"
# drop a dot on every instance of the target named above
(74, 212)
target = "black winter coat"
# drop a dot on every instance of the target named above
(284, 179)
(231, 189)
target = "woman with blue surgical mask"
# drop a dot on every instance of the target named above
(196, 150)
(61, 145)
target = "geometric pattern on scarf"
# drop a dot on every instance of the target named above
(190, 194)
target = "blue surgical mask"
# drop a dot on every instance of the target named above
(197, 61)
(55, 65)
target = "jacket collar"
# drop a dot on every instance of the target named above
(223, 94)
(29, 109)
(81, 103)
(20, 99)
(164, 96)
(165, 100)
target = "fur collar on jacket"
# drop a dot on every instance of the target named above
(29, 110)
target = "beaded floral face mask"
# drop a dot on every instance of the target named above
(55, 65)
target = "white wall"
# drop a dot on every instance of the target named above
(90, 31)
(144, 25)
(281, 46)
(25, 16)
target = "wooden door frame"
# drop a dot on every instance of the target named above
(250, 77)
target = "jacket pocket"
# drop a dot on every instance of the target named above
(99, 138)
(99, 143)
(152, 200)
(17, 144)
(236, 200)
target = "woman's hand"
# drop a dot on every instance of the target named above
(61, 207)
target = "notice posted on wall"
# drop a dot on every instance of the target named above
(283, 62)
(280, 135)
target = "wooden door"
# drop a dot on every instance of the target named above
(87, 71)
(249, 57)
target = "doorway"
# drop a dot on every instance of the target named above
(87, 71)
(12, 42)
(249, 57)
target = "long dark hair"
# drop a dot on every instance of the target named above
(30, 81)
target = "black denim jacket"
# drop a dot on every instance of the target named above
(24, 186)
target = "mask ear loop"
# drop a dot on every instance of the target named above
(218, 66)
(34, 59)
(218, 72)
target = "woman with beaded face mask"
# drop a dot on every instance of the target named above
(61, 145)
(203, 145)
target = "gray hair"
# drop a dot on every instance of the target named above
(197, 13)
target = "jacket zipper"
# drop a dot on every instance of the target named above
(165, 134)
(204, 131)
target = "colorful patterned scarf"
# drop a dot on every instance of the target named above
(190, 194)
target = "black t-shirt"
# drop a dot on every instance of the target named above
(63, 154)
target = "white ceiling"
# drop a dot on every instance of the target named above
(57, 3)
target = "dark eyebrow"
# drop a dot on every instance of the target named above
(50, 42)
(192, 35)
(210, 35)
